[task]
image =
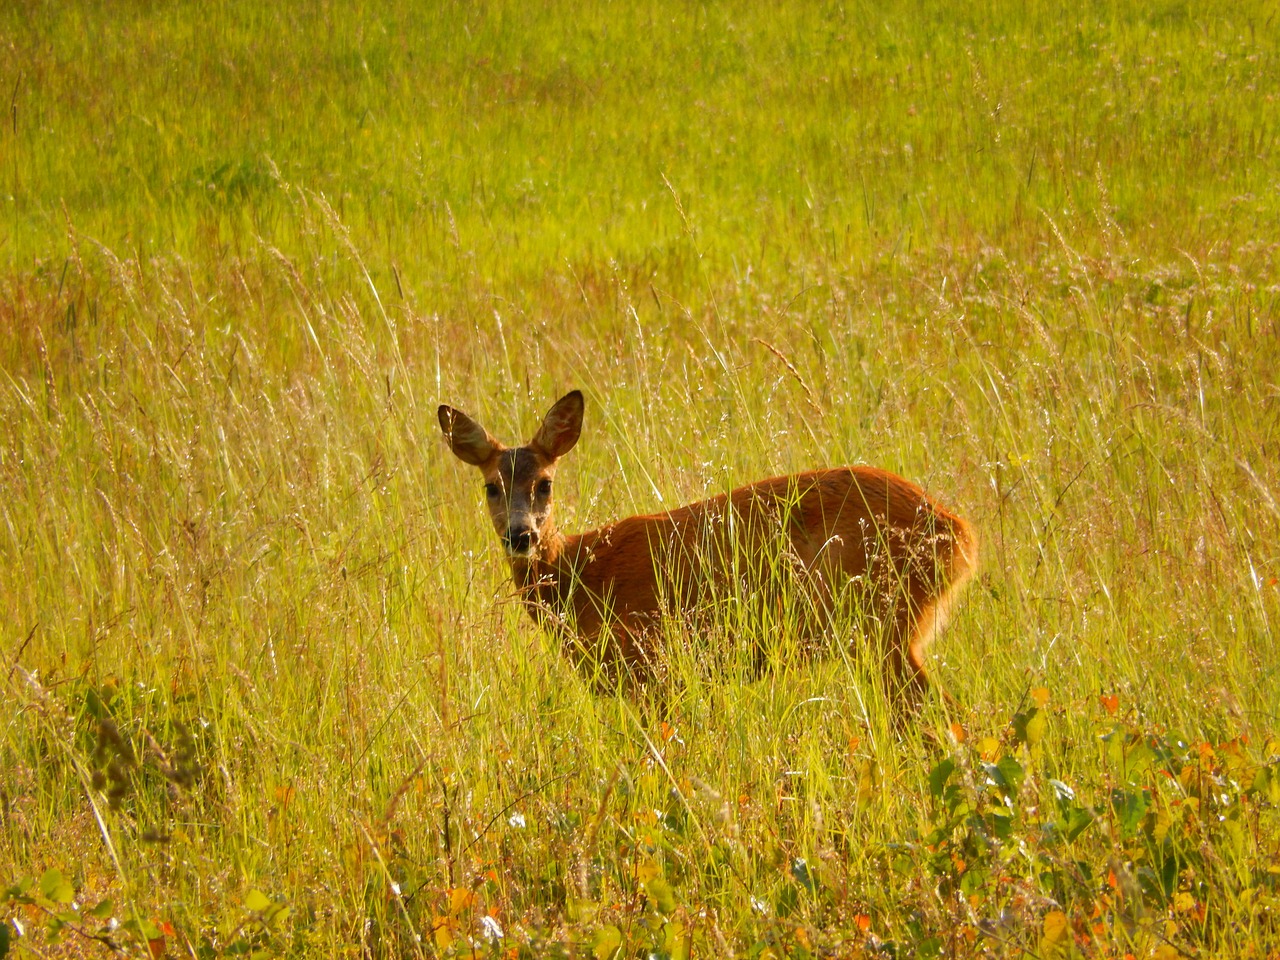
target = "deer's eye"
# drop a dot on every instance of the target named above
(544, 488)
(492, 491)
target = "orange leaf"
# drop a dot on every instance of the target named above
(1110, 702)
(1056, 929)
(957, 731)
(1040, 695)
(442, 928)
(460, 899)
(863, 921)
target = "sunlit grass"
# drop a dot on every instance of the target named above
(266, 683)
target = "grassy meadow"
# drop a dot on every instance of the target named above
(266, 691)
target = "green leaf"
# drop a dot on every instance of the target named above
(581, 911)
(1022, 725)
(1236, 836)
(144, 929)
(1266, 784)
(1035, 728)
(607, 943)
(55, 886)
(974, 879)
(1002, 822)
(939, 776)
(256, 901)
(787, 901)
(1012, 772)
(661, 894)
(994, 774)
(4, 940)
(1075, 820)
(101, 911)
(1131, 807)
(1138, 758)
(1169, 876)
(932, 947)
(800, 871)
(1114, 745)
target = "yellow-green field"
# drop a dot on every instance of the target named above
(266, 690)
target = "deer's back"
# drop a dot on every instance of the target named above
(836, 524)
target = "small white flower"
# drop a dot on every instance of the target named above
(516, 820)
(492, 929)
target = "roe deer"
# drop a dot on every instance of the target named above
(839, 530)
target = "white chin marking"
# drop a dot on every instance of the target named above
(522, 554)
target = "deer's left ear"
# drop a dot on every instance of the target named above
(561, 427)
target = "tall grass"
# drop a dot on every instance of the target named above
(266, 687)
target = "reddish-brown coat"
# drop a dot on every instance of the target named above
(825, 532)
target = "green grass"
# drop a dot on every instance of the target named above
(266, 688)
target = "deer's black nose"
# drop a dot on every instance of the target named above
(521, 540)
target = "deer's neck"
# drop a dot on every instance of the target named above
(544, 580)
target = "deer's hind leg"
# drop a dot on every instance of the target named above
(906, 682)
(918, 618)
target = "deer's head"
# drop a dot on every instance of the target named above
(517, 480)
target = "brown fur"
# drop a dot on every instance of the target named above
(604, 591)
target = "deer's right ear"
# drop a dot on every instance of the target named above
(469, 441)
